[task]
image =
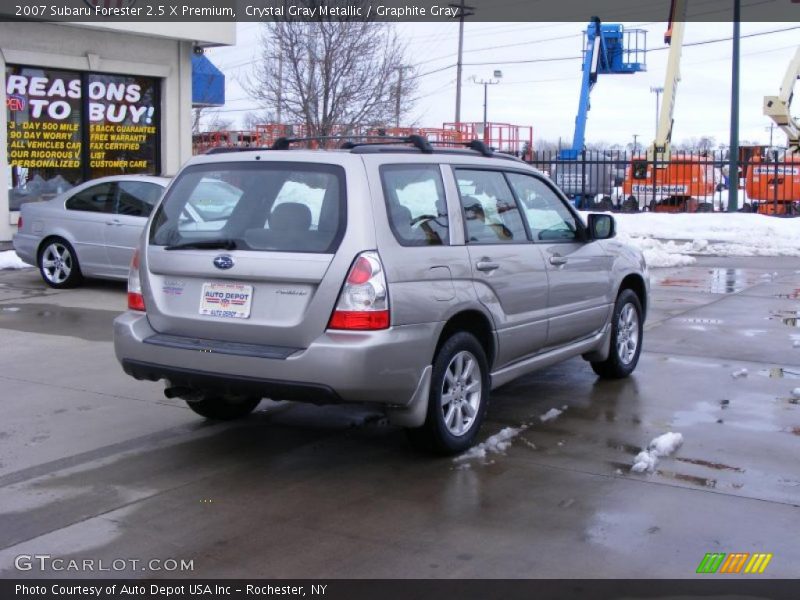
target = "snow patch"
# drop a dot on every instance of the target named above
(663, 445)
(796, 392)
(796, 344)
(739, 373)
(10, 260)
(496, 444)
(551, 414)
(671, 240)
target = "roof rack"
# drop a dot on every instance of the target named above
(372, 143)
(226, 149)
(418, 141)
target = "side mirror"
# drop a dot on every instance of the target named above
(602, 226)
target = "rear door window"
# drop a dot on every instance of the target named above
(97, 198)
(491, 214)
(416, 205)
(271, 206)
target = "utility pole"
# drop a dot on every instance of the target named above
(658, 91)
(486, 83)
(398, 103)
(462, 13)
(770, 129)
(733, 167)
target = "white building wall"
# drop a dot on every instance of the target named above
(92, 49)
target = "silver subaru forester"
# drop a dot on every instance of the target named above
(399, 275)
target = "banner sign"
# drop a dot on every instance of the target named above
(65, 127)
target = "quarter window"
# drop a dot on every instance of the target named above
(490, 211)
(548, 218)
(416, 205)
(137, 198)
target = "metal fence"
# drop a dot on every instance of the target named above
(769, 182)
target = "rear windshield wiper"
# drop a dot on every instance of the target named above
(221, 244)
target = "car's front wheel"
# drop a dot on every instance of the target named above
(459, 396)
(58, 264)
(223, 408)
(626, 338)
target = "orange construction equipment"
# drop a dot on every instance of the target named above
(684, 184)
(665, 181)
(774, 185)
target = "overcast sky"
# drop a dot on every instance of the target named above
(545, 94)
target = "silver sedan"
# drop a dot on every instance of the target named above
(88, 231)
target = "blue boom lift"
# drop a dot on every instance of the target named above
(608, 49)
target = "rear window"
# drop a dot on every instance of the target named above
(281, 207)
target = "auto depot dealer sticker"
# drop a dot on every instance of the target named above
(228, 300)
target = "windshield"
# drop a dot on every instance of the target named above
(283, 207)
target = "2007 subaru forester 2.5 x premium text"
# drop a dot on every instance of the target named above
(400, 276)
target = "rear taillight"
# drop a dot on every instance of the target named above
(363, 302)
(135, 298)
(19, 223)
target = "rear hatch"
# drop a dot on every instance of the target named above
(245, 251)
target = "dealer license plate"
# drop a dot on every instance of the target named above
(228, 300)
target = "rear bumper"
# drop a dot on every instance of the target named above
(237, 384)
(25, 246)
(377, 367)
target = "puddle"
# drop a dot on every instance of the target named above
(699, 481)
(85, 323)
(623, 447)
(710, 465)
(790, 318)
(702, 321)
(795, 295)
(779, 373)
(714, 281)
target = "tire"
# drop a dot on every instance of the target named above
(222, 408)
(652, 206)
(58, 264)
(704, 207)
(630, 205)
(746, 208)
(623, 355)
(454, 434)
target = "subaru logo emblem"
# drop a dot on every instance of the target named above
(223, 261)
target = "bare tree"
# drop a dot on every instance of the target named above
(333, 76)
(253, 118)
(209, 119)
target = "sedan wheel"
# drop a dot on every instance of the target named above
(58, 264)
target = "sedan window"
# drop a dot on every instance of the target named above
(137, 198)
(97, 198)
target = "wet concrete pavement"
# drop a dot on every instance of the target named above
(96, 465)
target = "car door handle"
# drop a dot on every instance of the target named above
(558, 260)
(113, 222)
(486, 265)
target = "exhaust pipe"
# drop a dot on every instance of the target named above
(184, 393)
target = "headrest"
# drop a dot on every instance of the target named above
(291, 216)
